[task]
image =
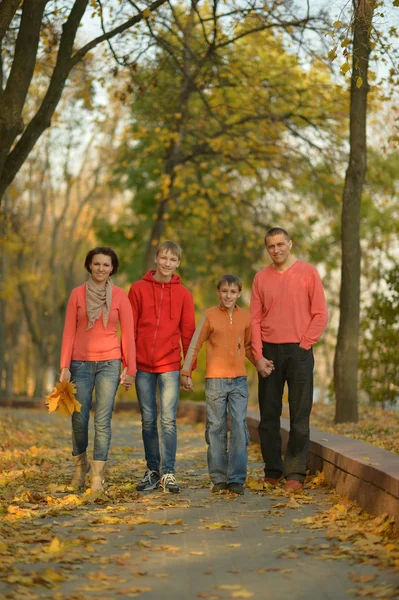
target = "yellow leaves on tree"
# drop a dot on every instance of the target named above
(62, 398)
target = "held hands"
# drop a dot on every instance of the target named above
(265, 367)
(126, 380)
(65, 375)
(186, 383)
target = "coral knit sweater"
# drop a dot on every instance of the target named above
(98, 343)
(287, 307)
(228, 342)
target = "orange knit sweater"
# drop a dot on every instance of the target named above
(228, 342)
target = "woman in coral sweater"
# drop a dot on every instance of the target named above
(91, 356)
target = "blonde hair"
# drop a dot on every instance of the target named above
(169, 246)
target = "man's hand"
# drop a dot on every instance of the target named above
(264, 366)
(65, 375)
(126, 380)
(186, 383)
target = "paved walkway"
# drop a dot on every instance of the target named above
(54, 544)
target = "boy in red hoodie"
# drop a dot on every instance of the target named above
(163, 311)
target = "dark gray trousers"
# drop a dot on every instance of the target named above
(293, 365)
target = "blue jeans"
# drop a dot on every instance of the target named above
(104, 377)
(227, 462)
(162, 461)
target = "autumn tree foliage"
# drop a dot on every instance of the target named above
(237, 118)
(37, 38)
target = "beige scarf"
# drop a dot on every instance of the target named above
(98, 299)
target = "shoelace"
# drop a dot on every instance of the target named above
(147, 476)
(167, 479)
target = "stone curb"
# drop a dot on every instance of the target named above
(360, 471)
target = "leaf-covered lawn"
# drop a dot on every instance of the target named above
(55, 543)
(375, 426)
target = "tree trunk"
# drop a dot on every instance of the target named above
(346, 353)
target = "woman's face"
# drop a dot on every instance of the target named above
(101, 268)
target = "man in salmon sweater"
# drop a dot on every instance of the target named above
(289, 315)
(163, 311)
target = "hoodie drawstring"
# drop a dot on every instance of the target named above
(155, 299)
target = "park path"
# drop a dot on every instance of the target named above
(158, 546)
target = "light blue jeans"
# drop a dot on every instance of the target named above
(102, 376)
(159, 458)
(227, 460)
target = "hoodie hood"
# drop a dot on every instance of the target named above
(175, 279)
(150, 277)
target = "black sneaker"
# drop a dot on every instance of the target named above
(149, 482)
(219, 487)
(236, 488)
(168, 482)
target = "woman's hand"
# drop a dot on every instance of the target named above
(65, 375)
(126, 380)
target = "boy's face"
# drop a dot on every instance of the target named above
(167, 263)
(228, 295)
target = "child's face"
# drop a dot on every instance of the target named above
(167, 263)
(228, 295)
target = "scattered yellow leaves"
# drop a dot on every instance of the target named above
(254, 484)
(237, 590)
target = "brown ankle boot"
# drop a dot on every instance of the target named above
(97, 475)
(82, 467)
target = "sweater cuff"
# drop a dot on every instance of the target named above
(305, 344)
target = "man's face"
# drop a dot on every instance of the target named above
(228, 295)
(167, 263)
(278, 248)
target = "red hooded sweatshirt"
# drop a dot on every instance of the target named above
(163, 316)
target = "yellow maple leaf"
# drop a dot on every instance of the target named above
(62, 398)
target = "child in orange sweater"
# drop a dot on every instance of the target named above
(226, 329)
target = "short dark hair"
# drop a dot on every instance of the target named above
(277, 231)
(102, 250)
(230, 280)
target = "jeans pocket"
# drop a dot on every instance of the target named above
(77, 364)
(207, 433)
(114, 363)
(303, 353)
(212, 389)
(247, 436)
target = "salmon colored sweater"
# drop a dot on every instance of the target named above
(98, 343)
(228, 342)
(287, 307)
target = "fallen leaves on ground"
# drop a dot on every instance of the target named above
(50, 536)
(376, 426)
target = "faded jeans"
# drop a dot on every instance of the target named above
(103, 376)
(227, 459)
(293, 365)
(159, 457)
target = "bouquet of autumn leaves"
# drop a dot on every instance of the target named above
(62, 398)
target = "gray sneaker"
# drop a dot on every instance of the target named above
(149, 482)
(236, 488)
